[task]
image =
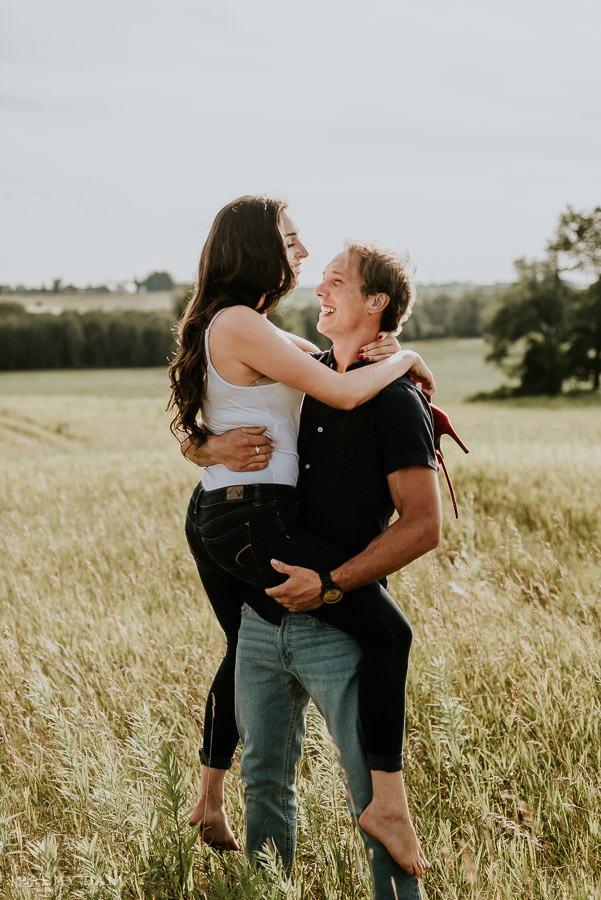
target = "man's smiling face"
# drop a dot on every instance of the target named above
(343, 306)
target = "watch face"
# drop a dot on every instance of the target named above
(332, 595)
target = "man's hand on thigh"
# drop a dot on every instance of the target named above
(301, 592)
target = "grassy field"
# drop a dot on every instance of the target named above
(109, 645)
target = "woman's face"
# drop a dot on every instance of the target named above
(295, 250)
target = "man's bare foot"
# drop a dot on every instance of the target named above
(396, 832)
(214, 826)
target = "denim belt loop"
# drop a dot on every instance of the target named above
(256, 494)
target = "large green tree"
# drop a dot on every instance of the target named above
(157, 281)
(577, 244)
(529, 329)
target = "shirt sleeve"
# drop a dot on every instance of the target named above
(404, 427)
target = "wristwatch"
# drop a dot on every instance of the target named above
(330, 592)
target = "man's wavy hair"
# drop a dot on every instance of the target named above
(243, 260)
(385, 271)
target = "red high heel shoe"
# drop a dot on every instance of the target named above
(442, 425)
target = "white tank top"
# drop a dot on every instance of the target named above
(226, 406)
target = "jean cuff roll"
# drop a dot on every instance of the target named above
(215, 762)
(385, 763)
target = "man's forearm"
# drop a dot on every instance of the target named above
(196, 450)
(401, 543)
(240, 450)
(414, 492)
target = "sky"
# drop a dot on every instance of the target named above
(457, 131)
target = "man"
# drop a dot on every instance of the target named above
(356, 467)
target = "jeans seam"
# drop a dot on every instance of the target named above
(197, 501)
(286, 781)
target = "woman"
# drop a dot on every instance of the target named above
(236, 367)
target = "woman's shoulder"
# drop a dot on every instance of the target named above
(241, 323)
(235, 317)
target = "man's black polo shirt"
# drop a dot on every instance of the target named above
(345, 457)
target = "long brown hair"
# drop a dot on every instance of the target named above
(243, 259)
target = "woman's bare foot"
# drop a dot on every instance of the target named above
(398, 836)
(214, 826)
(387, 819)
(210, 814)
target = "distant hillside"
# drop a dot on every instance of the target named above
(86, 301)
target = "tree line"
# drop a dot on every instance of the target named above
(89, 340)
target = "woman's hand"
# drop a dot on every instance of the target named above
(384, 346)
(419, 373)
(387, 345)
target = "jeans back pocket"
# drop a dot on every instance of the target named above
(232, 551)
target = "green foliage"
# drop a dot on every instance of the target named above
(554, 326)
(578, 240)
(11, 308)
(578, 246)
(108, 646)
(534, 311)
(82, 340)
(584, 351)
(441, 312)
(158, 281)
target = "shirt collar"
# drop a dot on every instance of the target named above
(330, 360)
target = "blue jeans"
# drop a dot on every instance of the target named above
(278, 668)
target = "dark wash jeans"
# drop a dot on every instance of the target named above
(233, 534)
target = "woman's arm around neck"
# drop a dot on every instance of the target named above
(250, 340)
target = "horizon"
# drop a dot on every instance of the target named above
(118, 287)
